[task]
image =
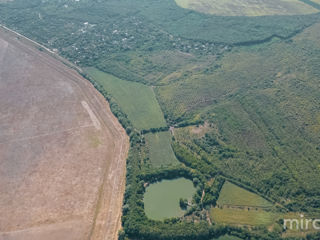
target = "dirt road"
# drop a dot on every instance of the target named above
(62, 152)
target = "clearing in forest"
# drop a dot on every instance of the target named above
(160, 150)
(138, 101)
(236, 196)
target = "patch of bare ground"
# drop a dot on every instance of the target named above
(200, 130)
(62, 152)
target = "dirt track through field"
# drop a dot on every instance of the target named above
(62, 152)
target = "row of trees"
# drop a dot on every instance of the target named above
(185, 156)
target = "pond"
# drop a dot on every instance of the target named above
(161, 199)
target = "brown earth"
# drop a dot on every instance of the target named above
(62, 152)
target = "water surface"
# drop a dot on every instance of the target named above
(161, 199)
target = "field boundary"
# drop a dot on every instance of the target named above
(42, 48)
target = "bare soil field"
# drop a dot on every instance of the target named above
(62, 152)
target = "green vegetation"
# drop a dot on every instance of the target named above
(119, 32)
(236, 196)
(136, 100)
(260, 105)
(160, 150)
(250, 83)
(314, 4)
(243, 217)
(248, 8)
(183, 202)
(223, 29)
(262, 219)
(161, 199)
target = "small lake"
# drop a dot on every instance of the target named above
(161, 199)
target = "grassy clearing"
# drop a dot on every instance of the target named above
(236, 196)
(136, 100)
(233, 216)
(160, 150)
(243, 217)
(248, 8)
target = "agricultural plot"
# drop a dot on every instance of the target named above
(160, 150)
(271, 220)
(234, 203)
(243, 217)
(248, 8)
(59, 143)
(233, 195)
(135, 99)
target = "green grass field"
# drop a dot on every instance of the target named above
(160, 150)
(136, 100)
(248, 8)
(239, 217)
(236, 196)
(243, 217)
